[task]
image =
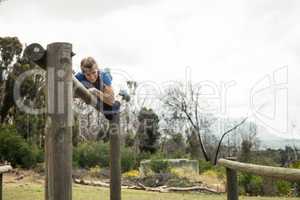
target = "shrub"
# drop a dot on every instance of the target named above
(296, 165)
(157, 156)
(204, 166)
(127, 159)
(91, 154)
(283, 187)
(141, 156)
(14, 149)
(221, 171)
(251, 184)
(160, 166)
(297, 184)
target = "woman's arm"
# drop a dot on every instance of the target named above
(107, 96)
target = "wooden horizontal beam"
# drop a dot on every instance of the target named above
(261, 170)
(37, 54)
(5, 168)
(81, 92)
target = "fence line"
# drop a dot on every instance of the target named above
(232, 167)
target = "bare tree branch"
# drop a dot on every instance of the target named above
(224, 134)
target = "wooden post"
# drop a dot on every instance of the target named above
(232, 186)
(1, 185)
(59, 122)
(232, 182)
(115, 158)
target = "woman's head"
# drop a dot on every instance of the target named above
(89, 68)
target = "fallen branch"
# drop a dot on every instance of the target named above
(140, 186)
(177, 189)
(92, 183)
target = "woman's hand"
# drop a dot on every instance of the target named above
(107, 96)
(94, 91)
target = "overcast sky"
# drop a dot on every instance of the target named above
(158, 40)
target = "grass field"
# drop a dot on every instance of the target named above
(34, 191)
(30, 187)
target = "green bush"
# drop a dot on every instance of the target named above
(158, 156)
(160, 166)
(14, 149)
(92, 154)
(297, 184)
(251, 184)
(141, 156)
(204, 166)
(127, 159)
(220, 170)
(283, 187)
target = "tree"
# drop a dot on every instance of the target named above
(185, 104)
(30, 127)
(246, 150)
(249, 141)
(10, 50)
(224, 134)
(193, 145)
(286, 156)
(173, 144)
(147, 134)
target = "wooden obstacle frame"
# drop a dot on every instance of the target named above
(61, 87)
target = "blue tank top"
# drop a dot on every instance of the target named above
(103, 80)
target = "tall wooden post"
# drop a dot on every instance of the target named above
(232, 186)
(59, 122)
(232, 182)
(115, 158)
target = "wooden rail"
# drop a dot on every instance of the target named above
(267, 171)
(3, 169)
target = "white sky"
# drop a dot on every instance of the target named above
(241, 41)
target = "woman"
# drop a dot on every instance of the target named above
(99, 83)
